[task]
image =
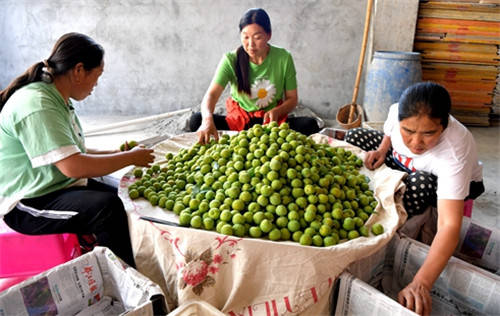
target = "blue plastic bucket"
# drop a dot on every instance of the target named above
(388, 75)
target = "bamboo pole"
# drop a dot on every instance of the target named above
(360, 62)
(135, 121)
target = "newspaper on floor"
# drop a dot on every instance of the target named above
(92, 284)
(479, 245)
(462, 288)
(356, 297)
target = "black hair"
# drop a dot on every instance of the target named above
(427, 98)
(251, 16)
(69, 50)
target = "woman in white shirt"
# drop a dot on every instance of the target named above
(439, 154)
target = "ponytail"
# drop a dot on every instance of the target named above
(70, 49)
(37, 72)
(242, 67)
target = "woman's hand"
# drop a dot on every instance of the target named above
(273, 115)
(206, 130)
(207, 127)
(276, 113)
(142, 156)
(416, 297)
(374, 159)
(88, 165)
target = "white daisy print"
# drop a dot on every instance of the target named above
(263, 90)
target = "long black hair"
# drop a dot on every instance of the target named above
(69, 50)
(252, 16)
(427, 98)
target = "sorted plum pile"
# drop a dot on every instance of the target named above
(266, 182)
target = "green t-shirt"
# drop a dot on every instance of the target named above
(37, 129)
(268, 81)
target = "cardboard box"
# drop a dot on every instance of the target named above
(97, 283)
(461, 288)
(351, 296)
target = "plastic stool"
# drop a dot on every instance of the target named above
(22, 256)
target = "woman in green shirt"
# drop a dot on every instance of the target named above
(45, 183)
(263, 84)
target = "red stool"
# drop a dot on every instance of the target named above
(22, 256)
(468, 204)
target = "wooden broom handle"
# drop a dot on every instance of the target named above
(361, 60)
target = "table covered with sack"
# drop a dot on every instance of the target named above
(251, 276)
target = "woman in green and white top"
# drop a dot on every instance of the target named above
(44, 183)
(263, 84)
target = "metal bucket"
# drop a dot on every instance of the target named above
(388, 75)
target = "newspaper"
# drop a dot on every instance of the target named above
(79, 284)
(461, 288)
(355, 297)
(55, 292)
(106, 306)
(479, 245)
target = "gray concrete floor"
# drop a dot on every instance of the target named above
(486, 209)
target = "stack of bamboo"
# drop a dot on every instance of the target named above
(459, 42)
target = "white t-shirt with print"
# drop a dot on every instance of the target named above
(453, 160)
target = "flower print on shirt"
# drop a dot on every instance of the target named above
(263, 90)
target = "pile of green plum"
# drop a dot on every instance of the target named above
(266, 182)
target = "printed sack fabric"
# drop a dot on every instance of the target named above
(247, 276)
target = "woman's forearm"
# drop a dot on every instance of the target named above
(208, 106)
(289, 103)
(91, 165)
(444, 244)
(288, 106)
(210, 100)
(385, 144)
(441, 250)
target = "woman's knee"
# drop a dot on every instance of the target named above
(422, 180)
(364, 138)
(195, 121)
(420, 192)
(305, 125)
(104, 209)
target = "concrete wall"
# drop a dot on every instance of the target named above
(161, 54)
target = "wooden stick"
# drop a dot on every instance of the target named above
(136, 121)
(361, 60)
